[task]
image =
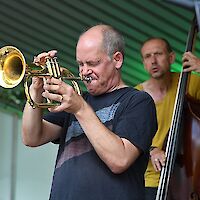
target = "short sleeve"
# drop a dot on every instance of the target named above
(137, 121)
(56, 118)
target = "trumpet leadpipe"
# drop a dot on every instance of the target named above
(86, 78)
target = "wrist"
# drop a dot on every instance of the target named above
(151, 149)
(82, 109)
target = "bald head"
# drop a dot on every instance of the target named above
(106, 37)
(162, 40)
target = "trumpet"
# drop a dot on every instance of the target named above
(13, 69)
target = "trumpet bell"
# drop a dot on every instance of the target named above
(12, 67)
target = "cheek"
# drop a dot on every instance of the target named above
(102, 72)
(165, 63)
(164, 60)
(147, 65)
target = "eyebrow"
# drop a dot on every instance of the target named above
(90, 61)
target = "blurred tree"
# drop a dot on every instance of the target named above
(14, 97)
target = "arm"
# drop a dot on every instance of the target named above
(35, 130)
(192, 63)
(117, 153)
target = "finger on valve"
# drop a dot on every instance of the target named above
(41, 58)
(52, 53)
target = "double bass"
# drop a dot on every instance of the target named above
(180, 177)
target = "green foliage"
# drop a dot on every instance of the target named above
(14, 97)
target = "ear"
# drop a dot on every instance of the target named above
(118, 59)
(172, 57)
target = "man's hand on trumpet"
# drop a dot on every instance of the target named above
(55, 89)
(41, 58)
(58, 90)
(36, 87)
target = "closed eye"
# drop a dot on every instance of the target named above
(93, 63)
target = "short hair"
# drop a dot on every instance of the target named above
(169, 48)
(113, 41)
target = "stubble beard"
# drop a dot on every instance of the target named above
(157, 75)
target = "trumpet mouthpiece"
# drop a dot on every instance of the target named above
(88, 79)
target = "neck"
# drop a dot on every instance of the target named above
(119, 85)
(160, 84)
(158, 88)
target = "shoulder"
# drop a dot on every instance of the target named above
(175, 76)
(146, 85)
(139, 86)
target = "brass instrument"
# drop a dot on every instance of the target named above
(13, 69)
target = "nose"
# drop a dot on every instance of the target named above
(153, 58)
(85, 70)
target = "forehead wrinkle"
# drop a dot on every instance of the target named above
(154, 49)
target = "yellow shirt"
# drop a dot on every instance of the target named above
(164, 109)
